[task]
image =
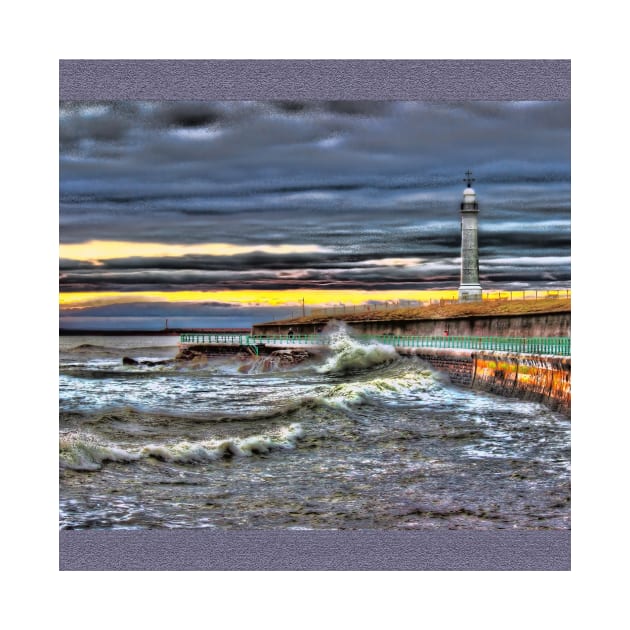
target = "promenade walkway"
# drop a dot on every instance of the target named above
(558, 346)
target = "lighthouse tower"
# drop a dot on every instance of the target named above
(469, 289)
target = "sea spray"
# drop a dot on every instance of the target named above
(278, 360)
(383, 389)
(349, 355)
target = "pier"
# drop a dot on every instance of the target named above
(555, 346)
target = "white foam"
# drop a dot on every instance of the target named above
(347, 394)
(350, 354)
(83, 452)
(186, 452)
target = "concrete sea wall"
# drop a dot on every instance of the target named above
(458, 364)
(541, 378)
(535, 325)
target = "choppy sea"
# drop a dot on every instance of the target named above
(362, 438)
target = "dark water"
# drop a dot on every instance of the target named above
(362, 439)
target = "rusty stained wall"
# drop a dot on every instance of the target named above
(530, 377)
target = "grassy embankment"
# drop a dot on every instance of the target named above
(485, 308)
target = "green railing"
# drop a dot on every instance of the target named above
(526, 345)
(251, 340)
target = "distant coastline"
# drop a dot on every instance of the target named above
(76, 332)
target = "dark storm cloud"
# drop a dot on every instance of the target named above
(366, 180)
(347, 272)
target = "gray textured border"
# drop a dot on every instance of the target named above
(314, 550)
(315, 79)
(350, 550)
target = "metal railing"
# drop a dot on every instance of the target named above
(250, 340)
(526, 345)
(539, 294)
(214, 338)
(344, 309)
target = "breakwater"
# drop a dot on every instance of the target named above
(529, 325)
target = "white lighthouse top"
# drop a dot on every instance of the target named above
(469, 179)
(469, 192)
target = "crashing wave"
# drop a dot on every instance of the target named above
(345, 395)
(84, 453)
(192, 452)
(350, 354)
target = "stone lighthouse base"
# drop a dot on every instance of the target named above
(470, 293)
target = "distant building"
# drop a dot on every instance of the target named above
(469, 289)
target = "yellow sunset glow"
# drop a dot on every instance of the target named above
(94, 251)
(289, 297)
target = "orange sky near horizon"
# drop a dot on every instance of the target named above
(287, 297)
(97, 251)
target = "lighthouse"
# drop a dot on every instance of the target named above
(469, 289)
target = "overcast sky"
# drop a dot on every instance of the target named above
(342, 195)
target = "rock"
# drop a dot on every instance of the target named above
(154, 363)
(198, 360)
(130, 361)
(278, 359)
(186, 354)
(190, 354)
(284, 358)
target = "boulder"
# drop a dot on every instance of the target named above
(130, 361)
